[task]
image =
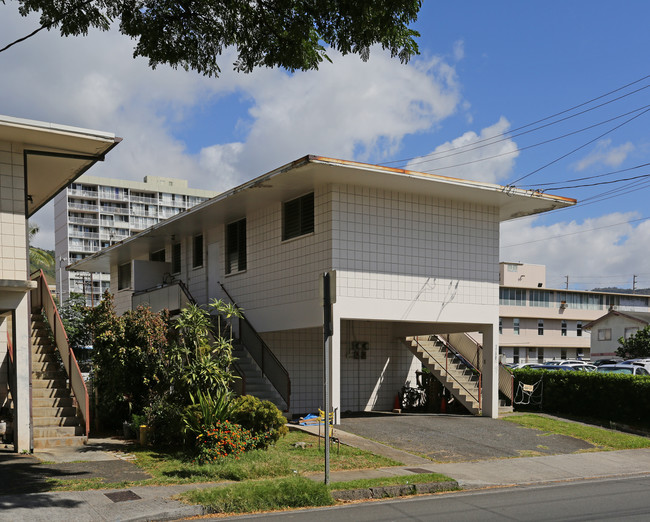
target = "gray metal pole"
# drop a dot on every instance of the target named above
(327, 334)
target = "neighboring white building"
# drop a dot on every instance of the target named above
(94, 213)
(37, 160)
(414, 254)
(538, 324)
(608, 329)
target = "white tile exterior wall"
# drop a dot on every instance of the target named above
(13, 254)
(366, 384)
(401, 246)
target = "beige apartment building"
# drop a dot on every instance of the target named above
(538, 324)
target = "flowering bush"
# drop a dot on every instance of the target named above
(225, 439)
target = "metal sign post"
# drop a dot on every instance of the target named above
(327, 335)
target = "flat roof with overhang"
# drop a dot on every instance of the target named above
(54, 155)
(303, 175)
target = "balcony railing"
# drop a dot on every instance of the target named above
(85, 235)
(145, 200)
(83, 221)
(83, 193)
(82, 206)
(114, 210)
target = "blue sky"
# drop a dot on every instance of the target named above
(485, 69)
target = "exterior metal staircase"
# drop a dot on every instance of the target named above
(54, 414)
(450, 368)
(456, 360)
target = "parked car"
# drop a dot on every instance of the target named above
(572, 362)
(625, 369)
(638, 362)
(566, 367)
(613, 360)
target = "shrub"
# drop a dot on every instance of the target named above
(223, 440)
(206, 410)
(165, 421)
(261, 417)
(603, 396)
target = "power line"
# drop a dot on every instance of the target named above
(543, 119)
(644, 109)
(602, 182)
(505, 136)
(610, 173)
(576, 233)
(580, 147)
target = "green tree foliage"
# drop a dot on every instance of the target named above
(39, 257)
(635, 346)
(127, 359)
(192, 34)
(73, 314)
(145, 364)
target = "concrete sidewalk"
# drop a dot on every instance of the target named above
(155, 502)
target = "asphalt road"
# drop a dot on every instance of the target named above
(611, 499)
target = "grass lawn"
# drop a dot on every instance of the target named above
(289, 493)
(281, 460)
(603, 438)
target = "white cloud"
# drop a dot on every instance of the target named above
(585, 251)
(605, 154)
(348, 109)
(466, 158)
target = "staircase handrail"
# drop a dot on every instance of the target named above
(466, 346)
(43, 299)
(271, 367)
(506, 382)
(463, 357)
(448, 348)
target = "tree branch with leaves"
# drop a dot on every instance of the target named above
(193, 34)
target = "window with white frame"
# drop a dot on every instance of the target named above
(298, 216)
(236, 246)
(197, 251)
(604, 334)
(515, 326)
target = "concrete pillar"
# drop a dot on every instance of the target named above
(23, 352)
(490, 378)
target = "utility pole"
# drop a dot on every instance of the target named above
(567, 281)
(634, 284)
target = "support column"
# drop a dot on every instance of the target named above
(490, 376)
(23, 355)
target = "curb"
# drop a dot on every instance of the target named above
(394, 491)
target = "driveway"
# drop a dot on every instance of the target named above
(450, 438)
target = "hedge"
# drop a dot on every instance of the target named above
(596, 395)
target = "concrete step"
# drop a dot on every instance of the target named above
(45, 366)
(44, 357)
(54, 432)
(54, 412)
(52, 402)
(45, 383)
(56, 421)
(59, 442)
(49, 391)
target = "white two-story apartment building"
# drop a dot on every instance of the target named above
(413, 254)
